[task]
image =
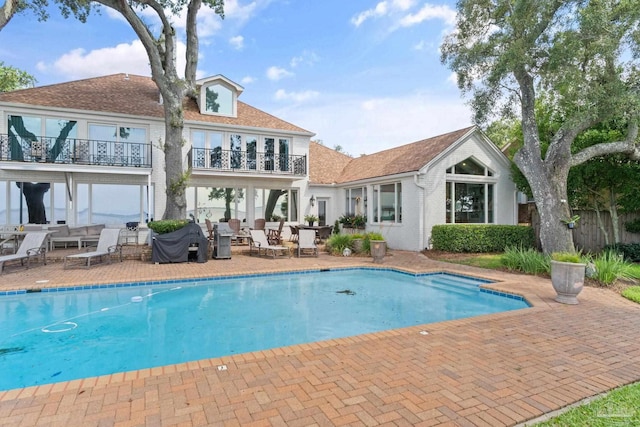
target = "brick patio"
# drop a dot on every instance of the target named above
(492, 370)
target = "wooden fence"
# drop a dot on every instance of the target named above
(588, 235)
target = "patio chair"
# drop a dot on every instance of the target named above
(259, 241)
(294, 233)
(235, 226)
(33, 246)
(259, 224)
(210, 233)
(324, 232)
(275, 236)
(307, 243)
(107, 246)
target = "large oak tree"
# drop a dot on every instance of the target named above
(581, 54)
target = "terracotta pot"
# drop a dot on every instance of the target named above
(567, 279)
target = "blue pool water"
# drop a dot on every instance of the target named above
(59, 336)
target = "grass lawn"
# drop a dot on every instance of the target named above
(617, 408)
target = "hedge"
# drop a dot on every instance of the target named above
(167, 225)
(630, 251)
(481, 237)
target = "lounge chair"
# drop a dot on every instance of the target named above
(33, 246)
(107, 246)
(307, 242)
(294, 233)
(259, 241)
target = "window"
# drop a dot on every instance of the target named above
(219, 99)
(469, 193)
(356, 201)
(216, 203)
(235, 147)
(387, 199)
(284, 154)
(42, 139)
(276, 204)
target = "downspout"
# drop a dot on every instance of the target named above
(423, 210)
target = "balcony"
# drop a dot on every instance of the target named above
(75, 151)
(247, 162)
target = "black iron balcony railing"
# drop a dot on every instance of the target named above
(74, 151)
(247, 161)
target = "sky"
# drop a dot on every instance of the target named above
(363, 75)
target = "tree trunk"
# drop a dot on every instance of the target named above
(176, 177)
(615, 219)
(34, 197)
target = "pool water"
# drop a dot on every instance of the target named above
(59, 336)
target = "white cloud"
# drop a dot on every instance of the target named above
(276, 73)
(122, 58)
(283, 95)
(247, 80)
(453, 79)
(428, 12)
(237, 42)
(366, 125)
(305, 58)
(383, 8)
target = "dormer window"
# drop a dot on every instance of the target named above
(219, 99)
(219, 96)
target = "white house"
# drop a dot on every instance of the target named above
(458, 177)
(90, 151)
(98, 143)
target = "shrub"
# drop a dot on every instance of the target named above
(527, 260)
(167, 225)
(633, 226)
(632, 293)
(338, 242)
(611, 266)
(630, 251)
(481, 237)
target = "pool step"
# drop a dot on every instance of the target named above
(459, 287)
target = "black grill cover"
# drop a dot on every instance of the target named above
(174, 246)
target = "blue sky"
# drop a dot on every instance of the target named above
(365, 75)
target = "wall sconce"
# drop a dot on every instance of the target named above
(312, 200)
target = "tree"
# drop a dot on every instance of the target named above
(581, 54)
(228, 195)
(160, 44)
(12, 78)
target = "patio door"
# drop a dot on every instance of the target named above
(322, 211)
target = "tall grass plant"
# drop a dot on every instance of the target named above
(527, 260)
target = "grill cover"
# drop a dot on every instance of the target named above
(174, 246)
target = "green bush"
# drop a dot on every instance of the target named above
(527, 260)
(633, 226)
(632, 293)
(611, 266)
(338, 242)
(477, 238)
(630, 251)
(167, 225)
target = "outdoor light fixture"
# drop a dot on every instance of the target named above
(312, 200)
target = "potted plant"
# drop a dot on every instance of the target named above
(567, 276)
(377, 246)
(571, 222)
(359, 221)
(357, 242)
(310, 219)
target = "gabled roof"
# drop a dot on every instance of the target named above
(406, 158)
(137, 96)
(326, 164)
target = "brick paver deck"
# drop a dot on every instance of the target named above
(493, 370)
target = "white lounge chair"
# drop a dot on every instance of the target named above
(107, 246)
(259, 241)
(307, 242)
(34, 245)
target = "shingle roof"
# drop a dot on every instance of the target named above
(325, 164)
(403, 159)
(135, 96)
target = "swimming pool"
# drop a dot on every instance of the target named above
(54, 336)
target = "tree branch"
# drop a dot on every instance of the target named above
(192, 46)
(628, 145)
(9, 8)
